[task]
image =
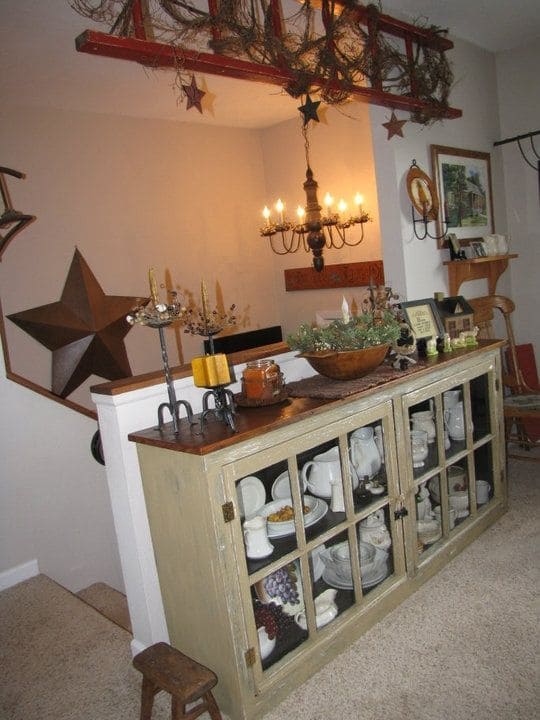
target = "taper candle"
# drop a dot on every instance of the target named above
(153, 287)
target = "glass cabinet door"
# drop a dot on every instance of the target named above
(451, 461)
(317, 529)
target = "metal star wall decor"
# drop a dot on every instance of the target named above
(309, 110)
(193, 94)
(85, 330)
(394, 126)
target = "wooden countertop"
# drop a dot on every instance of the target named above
(251, 422)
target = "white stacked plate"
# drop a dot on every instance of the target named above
(372, 572)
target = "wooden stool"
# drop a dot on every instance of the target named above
(165, 668)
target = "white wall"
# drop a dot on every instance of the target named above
(415, 266)
(519, 105)
(54, 498)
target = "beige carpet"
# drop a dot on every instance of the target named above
(108, 602)
(464, 647)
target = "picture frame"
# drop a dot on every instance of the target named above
(463, 181)
(478, 248)
(423, 318)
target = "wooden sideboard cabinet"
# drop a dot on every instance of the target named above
(403, 517)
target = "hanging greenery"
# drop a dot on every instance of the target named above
(335, 59)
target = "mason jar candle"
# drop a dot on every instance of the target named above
(261, 380)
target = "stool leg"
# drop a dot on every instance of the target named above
(148, 691)
(177, 709)
(213, 709)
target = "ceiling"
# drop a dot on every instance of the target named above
(40, 66)
(494, 25)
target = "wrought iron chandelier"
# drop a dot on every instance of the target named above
(313, 231)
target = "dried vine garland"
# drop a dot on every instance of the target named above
(334, 60)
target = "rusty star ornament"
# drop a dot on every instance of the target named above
(85, 330)
(193, 94)
(309, 110)
(394, 126)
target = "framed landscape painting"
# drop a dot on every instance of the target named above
(463, 179)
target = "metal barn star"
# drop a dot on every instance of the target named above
(309, 110)
(85, 330)
(394, 126)
(193, 94)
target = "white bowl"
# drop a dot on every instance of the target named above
(272, 507)
(458, 499)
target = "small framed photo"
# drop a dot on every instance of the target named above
(478, 248)
(423, 318)
(454, 243)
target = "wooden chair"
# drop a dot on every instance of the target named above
(521, 402)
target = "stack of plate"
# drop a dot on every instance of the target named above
(373, 562)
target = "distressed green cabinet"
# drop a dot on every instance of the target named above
(353, 531)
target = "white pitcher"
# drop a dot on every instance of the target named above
(256, 538)
(423, 420)
(451, 398)
(323, 471)
(455, 421)
(365, 455)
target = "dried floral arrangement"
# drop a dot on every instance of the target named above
(341, 56)
(361, 331)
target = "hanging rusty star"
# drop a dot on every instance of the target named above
(394, 126)
(84, 330)
(309, 110)
(193, 94)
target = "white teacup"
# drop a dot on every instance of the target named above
(451, 515)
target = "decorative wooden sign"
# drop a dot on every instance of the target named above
(336, 276)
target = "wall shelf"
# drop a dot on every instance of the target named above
(490, 268)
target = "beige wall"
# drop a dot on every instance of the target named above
(185, 199)
(131, 194)
(341, 156)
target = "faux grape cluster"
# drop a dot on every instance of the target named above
(282, 585)
(271, 616)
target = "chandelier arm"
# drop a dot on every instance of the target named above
(286, 249)
(354, 243)
(341, 235)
